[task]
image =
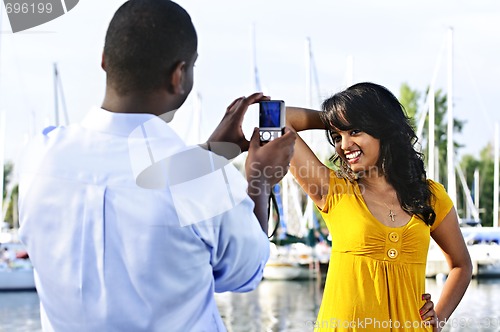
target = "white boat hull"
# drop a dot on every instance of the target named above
(484, 250)
(17, 273)
(287, 272)
(289, 262)
(16, 279)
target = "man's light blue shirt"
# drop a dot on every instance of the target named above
(111, 254)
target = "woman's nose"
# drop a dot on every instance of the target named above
(345, 143)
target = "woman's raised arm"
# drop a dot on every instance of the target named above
(312, 175)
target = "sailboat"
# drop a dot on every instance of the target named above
(16, 271)
(483, 243)
(292, 256)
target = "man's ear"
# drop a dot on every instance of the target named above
(177, 78)
(103, 62)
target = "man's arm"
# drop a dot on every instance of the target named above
(265, 166)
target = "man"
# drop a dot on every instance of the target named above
(124, 230)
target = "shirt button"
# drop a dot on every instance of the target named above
(392, 253)
(394, 237)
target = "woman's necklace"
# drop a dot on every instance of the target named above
(391, 213)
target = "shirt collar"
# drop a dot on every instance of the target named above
(123, 124)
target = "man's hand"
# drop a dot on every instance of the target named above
(230, 129)
(267, 165)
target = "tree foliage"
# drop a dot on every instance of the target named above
(409, 98)
(8, 169)
(485, 166)
(413, 102)
(11, 213)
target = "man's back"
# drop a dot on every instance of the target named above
(111, 256)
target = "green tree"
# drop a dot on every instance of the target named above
(441, 133)
(468, 165)
(12, 213)
(485, 165)
(411, 100)
(486, 184)
(8, 169)
(7, 179)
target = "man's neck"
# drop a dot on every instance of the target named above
(157, 103)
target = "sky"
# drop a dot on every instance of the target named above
(390, 42)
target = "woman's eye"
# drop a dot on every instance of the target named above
(336, 139)
(355, 131)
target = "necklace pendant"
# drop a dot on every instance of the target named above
(391, 215)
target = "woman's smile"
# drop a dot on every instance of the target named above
(352, 156)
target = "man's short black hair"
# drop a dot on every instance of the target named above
(145, 41)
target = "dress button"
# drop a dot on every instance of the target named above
(394, 237)
(392, 253)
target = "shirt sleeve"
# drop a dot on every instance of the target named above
(441, 203)
(336, 190)
(239, 248)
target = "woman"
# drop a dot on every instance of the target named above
(381, 211)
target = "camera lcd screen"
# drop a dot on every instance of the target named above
(269, 116)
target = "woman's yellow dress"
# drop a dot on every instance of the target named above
(376, 275)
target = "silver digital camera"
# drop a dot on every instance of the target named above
(271, 119)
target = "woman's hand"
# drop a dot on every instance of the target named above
(428, 314)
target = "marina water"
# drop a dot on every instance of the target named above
(288, 306)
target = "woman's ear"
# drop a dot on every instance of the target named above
(177, 78)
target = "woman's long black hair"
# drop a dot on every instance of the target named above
(374, 110)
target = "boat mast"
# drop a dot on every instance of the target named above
(432, 141)
(254, 60)
(308, 73)
(58, 88)
(470, 207)
(452, 187)
(421, 121)
(56, 96)
(476, 189)
(281, 189)
(2, 147)
(436, 164)
(496, 175)
(197, 116)
(2, 163)
(307, 220)
(350, 71)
